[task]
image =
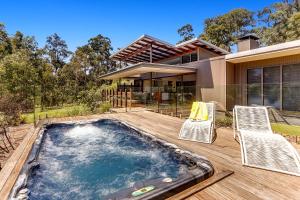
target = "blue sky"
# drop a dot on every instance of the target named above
(122, 21)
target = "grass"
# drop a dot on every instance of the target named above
(77, 110)
(285, 129)
(66, 111)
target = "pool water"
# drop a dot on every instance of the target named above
(94, 160)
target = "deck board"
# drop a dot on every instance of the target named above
(246, 183)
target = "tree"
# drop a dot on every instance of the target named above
(278, 22)
(186, 33)
(94, 58)
(5, 45)
(99, 51)
(17, 41)
(19, 77)
(57, 51)
(224, 30)
(293, 27)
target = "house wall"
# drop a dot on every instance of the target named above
(205, 54)
(211, 79)
(237, 77)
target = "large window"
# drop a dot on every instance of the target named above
(263, 86)
(271, 87)
(254, 89)
(291, 87)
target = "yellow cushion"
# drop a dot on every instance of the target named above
(194, 110)
(202, 113)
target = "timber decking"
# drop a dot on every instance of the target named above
(17, 135)
(224, 153)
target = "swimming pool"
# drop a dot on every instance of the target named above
(106, 159)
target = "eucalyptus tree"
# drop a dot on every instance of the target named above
(224, 30)
(57, 51)
(186, 32)
(5, 45)
(279, 22)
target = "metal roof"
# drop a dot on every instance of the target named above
(139, 50)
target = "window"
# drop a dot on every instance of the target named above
(189, 58)
(254, 89)
(264, 86)
(291, 87)
(271, 86)
(194, 57)
(186, 59)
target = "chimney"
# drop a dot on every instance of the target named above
(248, 42)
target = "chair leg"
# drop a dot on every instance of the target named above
(5, 133)
(5, 148)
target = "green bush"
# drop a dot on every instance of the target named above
(104, 107)
(224, 122)
(10, 110)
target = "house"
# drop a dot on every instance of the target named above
(199, 70)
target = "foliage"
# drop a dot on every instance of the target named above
(224, 121)
(279, 22)
(186, 33)
(293, 29)
(91, 98)
(104, 107)
(57, 51)
(19, 77)
(10, 110)
(47, 77)
(224, 30)
(5, 45)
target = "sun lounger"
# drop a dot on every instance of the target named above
(200, 128)
(260, 147)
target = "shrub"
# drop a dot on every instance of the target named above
(91, 98)
(224, 122)
(10, 110)
(104, 107)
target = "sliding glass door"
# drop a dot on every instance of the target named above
(291, 87)
(271, 86)
(254, 86)
(263, 86)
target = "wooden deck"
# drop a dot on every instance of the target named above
(224, 153)
(17, 134)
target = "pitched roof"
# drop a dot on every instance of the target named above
(139, 50)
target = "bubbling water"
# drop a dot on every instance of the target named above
(90, 161)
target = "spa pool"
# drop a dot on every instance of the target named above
(106, 159)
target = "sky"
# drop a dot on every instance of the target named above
(122, 21)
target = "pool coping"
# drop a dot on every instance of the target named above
(14, 165)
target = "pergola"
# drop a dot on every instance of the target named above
(150, 49)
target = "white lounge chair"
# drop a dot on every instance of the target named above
(200, 131)
(260, 147)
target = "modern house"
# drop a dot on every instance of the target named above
(264, 76)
